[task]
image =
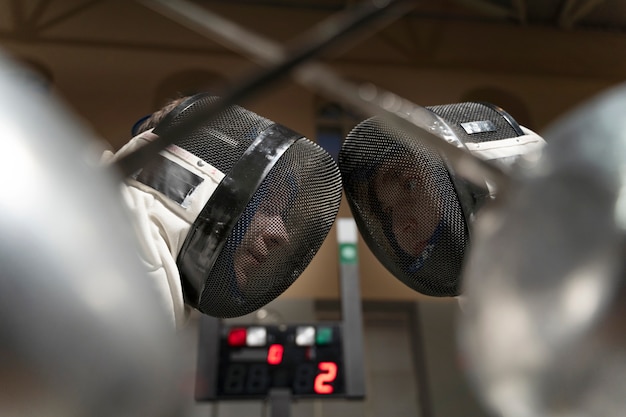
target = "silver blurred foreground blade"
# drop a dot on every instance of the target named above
(81, 333)
(542, 331)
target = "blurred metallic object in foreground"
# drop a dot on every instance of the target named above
(542, 332)
(81, 333)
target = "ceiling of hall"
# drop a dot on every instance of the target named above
(434, 32)
(32, 20)
(567, 14)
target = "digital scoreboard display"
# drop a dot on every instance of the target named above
(307, 359)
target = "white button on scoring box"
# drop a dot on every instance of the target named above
(305, 335)
(256, 336)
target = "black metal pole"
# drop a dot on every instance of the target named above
(310, 45)
(207, 358)
(279, 400)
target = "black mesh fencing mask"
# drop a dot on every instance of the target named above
(277, 197)
(411, 209)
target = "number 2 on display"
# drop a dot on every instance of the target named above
(325, 377)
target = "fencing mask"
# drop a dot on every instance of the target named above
(413, 212)
(243, 203)
(543, 332)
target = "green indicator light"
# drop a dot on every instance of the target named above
(324, 335)
(347, 253)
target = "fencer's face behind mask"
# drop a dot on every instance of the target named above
(411, 208)
(268, 216)
(263, 238)
(266, 235)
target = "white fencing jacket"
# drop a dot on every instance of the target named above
(162, 224)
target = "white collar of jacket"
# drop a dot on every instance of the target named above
(211, 176)
(506, 151)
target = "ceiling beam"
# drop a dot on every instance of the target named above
(521, 8)
(40, 8)
(66, 15)
(572, 11)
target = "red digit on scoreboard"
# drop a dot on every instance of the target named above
(324, 378)
(275, 354)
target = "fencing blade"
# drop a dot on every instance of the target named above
(303, 49)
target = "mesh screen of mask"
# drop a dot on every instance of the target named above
(405, 206)
(279, 232)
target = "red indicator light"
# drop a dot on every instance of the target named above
(275, 354)
(237, 336)
(325, 377)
